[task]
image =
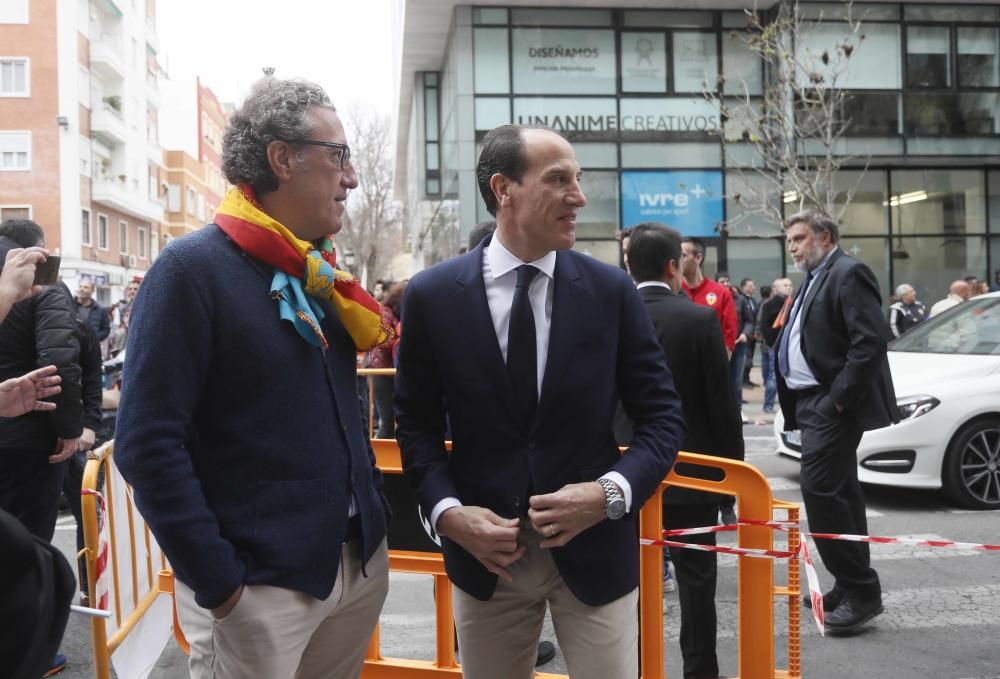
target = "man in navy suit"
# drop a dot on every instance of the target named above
(524, 347)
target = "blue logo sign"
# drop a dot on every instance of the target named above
(690, 202)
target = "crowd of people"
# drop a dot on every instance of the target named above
(243, 436)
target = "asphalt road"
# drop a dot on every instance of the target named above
(942, 617)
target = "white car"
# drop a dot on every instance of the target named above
(946, 372)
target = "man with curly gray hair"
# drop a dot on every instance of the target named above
(240, 428)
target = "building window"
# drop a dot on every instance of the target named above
(978, 65)
(191, 202)
(173, 198)
(965, 113)
(15, 77)
(85, 227)
(140, 248)
(563, 61)
(13, 11)
(928, 56)
(696, 62)
(644, 62)
(15, 212)
(15, 151)
(123, 237)
(949, 202)
(492, 62)
(102, 232)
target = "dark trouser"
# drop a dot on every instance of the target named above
(30, 488)
(767, 356)
(72, 483)
(696, 574)
(748, 364)
(833, 497)
(382, 387)
(736, 372)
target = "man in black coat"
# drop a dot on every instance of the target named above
(691, 339)
(834, 384)
(38, 331)
(769, 328)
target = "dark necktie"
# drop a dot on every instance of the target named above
(786, 334)
(522, 346)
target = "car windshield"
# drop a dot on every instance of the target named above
(972, 327)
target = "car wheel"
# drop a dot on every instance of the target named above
(972, 465)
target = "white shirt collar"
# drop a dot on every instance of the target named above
(653, 284)
(503, 262)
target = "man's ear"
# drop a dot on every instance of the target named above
(500, 184)
(281, 159)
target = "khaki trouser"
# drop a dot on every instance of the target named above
(498, 639)
(276, 633)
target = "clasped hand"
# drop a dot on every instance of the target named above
(558, 517)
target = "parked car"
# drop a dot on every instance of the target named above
(947, 377)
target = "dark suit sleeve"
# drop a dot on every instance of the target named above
(418, 400)
(768, 314)
(56, 343)
(860, 305)
(649, 398)
(169, 353)
(723, 417)
(90, 366)
(103, 322)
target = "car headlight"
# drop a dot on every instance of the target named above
(915, 406)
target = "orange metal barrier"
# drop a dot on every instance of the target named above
(756, 590)
(140, 560)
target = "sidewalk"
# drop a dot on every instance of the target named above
(753, 401)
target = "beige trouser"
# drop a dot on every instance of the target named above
(276, 633)
(498, 639)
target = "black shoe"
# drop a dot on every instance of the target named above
(852, 614)
(728, 516)
(831, 600)
(546, 652)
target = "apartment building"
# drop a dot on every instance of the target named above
(193, 123)
(79, 149)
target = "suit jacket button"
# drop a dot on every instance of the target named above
(531, 445)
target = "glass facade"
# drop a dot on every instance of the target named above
(626, 87)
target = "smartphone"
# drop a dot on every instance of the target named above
(47, 272)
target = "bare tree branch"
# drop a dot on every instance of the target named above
(795, 129)
(372, 228)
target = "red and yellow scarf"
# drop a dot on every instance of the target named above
(262, 237)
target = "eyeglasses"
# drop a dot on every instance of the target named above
(345, 150)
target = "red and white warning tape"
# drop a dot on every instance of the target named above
(874, 539)
(815, 592)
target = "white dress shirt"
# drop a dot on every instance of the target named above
(500, 278)
(799, 375)
(653, 284)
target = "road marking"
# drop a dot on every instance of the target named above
(779, 483)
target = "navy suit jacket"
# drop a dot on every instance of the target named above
(601, 348)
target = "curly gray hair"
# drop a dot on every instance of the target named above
(275, 110)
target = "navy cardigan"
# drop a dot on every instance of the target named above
(242, 441)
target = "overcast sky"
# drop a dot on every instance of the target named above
(344, 45)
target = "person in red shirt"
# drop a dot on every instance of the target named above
(707, 292)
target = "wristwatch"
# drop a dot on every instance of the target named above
(614, 501)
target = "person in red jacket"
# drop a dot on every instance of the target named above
(707, 292)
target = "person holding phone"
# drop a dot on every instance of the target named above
(38, 332)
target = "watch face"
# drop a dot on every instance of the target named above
(616, 509)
